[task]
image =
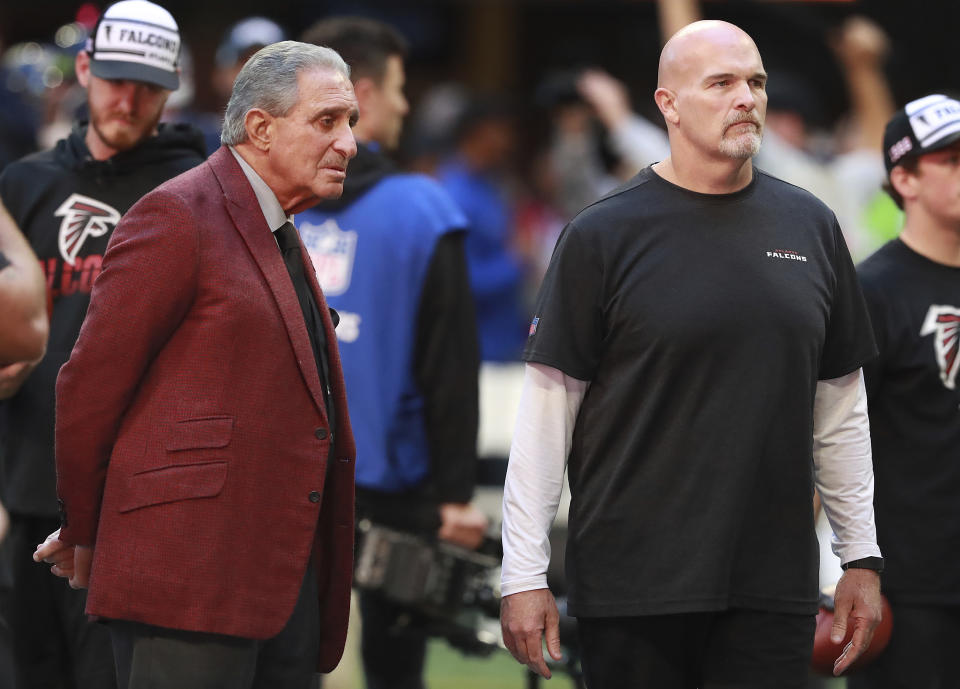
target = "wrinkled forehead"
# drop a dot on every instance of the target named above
(322, 86)
(324, 79)
(325, 93)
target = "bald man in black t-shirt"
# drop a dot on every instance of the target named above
(695, 362)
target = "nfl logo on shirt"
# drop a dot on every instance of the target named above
(533, 326)
(332, 251)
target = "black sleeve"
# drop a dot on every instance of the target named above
(446, 367)
(873, 295)
(567, 329)
(849, 342)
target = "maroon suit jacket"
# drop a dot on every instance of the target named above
(192, 438)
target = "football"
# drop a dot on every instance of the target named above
(825, 652)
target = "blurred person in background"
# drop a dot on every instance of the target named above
(43, 77)
(18, 127)
(429, 136)
(538, 221)
(179, 107)
(576, 150)
(912, 287)
(67, 201)
(390, 257)
(475, 176)
(847, 181)
(568, 171)
(38, 98)
(241, 40)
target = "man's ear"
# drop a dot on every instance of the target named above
(82, 68)
(666, 100)
(261, 128)
(904, 181)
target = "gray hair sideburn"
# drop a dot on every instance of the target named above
(268, 81)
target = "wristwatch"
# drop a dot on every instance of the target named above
(874, 563)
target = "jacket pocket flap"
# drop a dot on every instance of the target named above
(174, 482)
(197, 434)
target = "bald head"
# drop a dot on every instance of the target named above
(712, 93)
(695, 46)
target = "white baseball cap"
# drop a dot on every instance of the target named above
(136, 40)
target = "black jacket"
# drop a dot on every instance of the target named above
(67, 204)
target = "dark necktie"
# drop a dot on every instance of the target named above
(289, 243)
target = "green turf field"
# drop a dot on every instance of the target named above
(447, 668)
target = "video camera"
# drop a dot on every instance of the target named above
(451, 592)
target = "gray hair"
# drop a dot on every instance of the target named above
(269, 82)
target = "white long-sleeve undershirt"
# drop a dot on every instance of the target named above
(549, 403)
(843, 465)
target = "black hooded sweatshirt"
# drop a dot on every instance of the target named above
(67, 204)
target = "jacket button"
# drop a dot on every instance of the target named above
(314, 496)
(321, 433)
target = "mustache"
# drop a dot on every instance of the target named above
(123, 117)
(339, 162)
(740, 118)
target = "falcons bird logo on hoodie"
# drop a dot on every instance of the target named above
(943, 322)
(83, 217)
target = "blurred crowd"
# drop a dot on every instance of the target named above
(518, 189)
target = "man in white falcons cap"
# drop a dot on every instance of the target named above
(134, 41)
(67, 201)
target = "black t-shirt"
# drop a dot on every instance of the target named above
(703, 323)
(915, 421)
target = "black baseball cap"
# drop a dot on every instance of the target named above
(922, 126)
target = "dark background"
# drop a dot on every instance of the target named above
(508, 46)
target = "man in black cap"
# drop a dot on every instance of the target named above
(912, 287)
(67, 202)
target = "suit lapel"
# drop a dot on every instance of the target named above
(247, 217)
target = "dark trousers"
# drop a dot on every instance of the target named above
(923, 653)
(393, 651)
(150, 657)
(733, 649)
(54, 644)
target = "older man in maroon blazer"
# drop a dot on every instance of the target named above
(204, 453)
